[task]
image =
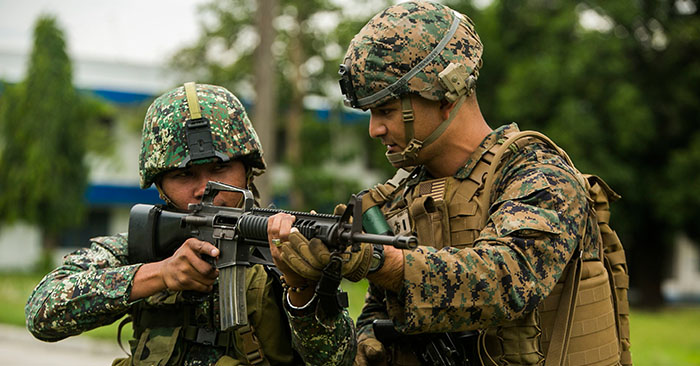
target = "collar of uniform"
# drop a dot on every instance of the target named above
(491, 139)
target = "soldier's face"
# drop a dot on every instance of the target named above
(386, 123)
(185, 186)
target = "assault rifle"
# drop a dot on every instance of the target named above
(240, 233)
(432, 349)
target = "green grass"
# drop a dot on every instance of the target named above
(669, 337)
(356, 296)
(14, 292)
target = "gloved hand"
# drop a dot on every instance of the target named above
(365, 251)
(339, 210)
(370, 352)
(308, 258)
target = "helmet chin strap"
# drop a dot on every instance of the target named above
(164, 196)
(409, 155)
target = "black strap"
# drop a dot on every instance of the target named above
(278, 290)
(124, 322)
(331, 301)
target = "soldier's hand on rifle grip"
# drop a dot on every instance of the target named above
(370, 352)
(188, 268)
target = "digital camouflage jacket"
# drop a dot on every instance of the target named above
(91, 289)
(467, 277)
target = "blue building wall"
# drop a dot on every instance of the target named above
(119, 195)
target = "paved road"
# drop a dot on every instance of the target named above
(19, 348)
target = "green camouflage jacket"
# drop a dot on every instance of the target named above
(92, 287)
(511, 266)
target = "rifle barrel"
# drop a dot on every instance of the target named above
(398, 241)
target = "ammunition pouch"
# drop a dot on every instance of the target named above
(183, 320)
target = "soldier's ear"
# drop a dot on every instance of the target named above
(445, 108)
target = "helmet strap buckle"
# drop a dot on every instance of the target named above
(408, 156)
(412, 149)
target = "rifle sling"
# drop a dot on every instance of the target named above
(330, 300)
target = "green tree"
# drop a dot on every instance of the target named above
(43, 124)
(615, 84)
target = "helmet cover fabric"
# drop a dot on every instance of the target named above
(164, 140)
(400, 37)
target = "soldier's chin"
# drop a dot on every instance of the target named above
(399, 164)
(404, 163)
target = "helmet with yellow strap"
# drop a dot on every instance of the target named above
(196, 124)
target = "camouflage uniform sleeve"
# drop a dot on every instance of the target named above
(538, 217)
(328, 341)
(90, 289)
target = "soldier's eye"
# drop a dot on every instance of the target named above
(385, 111)
(179, 174)
(221, 166)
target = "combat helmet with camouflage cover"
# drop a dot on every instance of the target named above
(419, 48)
(196, 124)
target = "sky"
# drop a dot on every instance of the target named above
(133, 31)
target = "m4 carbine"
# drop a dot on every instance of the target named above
(240, 233)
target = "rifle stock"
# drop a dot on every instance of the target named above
(240, 233)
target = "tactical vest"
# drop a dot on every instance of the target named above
(582, 322)
(165, 329)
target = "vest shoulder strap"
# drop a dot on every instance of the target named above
(382, 193)
(514, 142)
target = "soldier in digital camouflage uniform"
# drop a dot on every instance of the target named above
(174, 302)
(494, 240)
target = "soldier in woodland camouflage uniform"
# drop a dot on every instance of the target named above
(494, 240)
(191, 135)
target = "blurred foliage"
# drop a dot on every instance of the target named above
(225, 51)
(325, 146)
(46, 128)
(98, 117)
(615, 83)
(311, 37)
(133, 115)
